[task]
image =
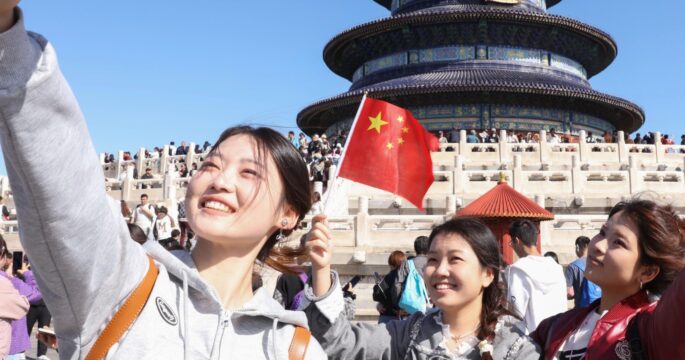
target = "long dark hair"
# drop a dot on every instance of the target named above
(661, 239)
(296, 188)
(486, 248)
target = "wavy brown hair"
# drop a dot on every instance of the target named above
(486, 248)
(661, 239)
(297, 194)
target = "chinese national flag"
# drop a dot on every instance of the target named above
(389, 150)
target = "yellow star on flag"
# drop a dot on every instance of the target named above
(389, 146)
(400, 141)
(405, 130)
(376, 123)
(400, 119)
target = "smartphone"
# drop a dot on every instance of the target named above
(17, 261)
(377, 277)
(353, 282)
(350, 284)
(47, 331)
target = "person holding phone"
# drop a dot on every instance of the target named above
(13, 306)
(38, 312)
(20, 338)
(250, 192)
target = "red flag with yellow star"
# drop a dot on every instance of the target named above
(389, 150)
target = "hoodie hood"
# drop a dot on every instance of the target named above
(543, 271)
(180, 265)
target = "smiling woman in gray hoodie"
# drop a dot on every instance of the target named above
(202, 305)
(471, 319)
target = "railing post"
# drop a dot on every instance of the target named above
(635, 184)
(4, 186)
(164, 160)
(622, 148)
(659, 148)
(140, 162)
(545, 149)
(462, 142)
(517, 173)
(118, 162)
(504, 153)
(583, 148)
(190, 156)
(459, 177)
(576, 175)
(450, 205)
(169, 186)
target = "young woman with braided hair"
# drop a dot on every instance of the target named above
(471, 319)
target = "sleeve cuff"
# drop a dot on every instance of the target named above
(330, 304)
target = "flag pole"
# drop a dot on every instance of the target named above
(334, 184)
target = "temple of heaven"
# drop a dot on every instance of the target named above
(475, 64)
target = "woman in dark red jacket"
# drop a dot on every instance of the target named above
(638, 255)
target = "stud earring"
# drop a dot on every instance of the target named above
(640, 284)
(280, 235)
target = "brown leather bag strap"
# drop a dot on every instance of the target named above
(127, 314)
(298, 347)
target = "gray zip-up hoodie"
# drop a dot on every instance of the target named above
(84, 259)
(420, 337)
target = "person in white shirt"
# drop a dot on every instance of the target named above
(552, 137)
(536, 285)
(144, 214)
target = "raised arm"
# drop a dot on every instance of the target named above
(82, 255)
(342, 339)
(324, 307)
(662, 328)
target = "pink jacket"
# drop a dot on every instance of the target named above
(12, 307)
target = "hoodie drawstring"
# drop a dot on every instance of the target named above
(186, 333)
(273, 343)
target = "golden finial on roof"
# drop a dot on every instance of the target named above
(502, 177)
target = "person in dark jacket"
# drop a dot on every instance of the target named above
(387, 305)
(638, 255)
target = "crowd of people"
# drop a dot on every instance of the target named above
(250, 193)
(492, 136)
(319, 153)
(158, 151)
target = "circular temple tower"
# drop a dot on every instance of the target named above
(475, 64)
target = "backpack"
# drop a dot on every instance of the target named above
(589, 292)
(299, 296)
(414, 296)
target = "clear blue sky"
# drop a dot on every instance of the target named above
(147, 72)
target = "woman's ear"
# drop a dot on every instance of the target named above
(648, 273)
(288, 218)
(488, 277)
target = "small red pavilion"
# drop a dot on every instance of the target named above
(499, 207)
